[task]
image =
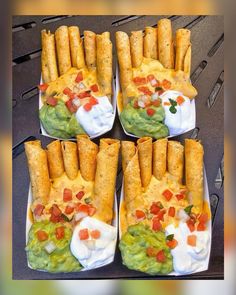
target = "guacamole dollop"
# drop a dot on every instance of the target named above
(139, 123)
(59, 122)
(134, 244)
(61, 259)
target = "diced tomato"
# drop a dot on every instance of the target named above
(83, 234)
(203, 218)
(154, 209)
(93, 100)
(171, 211)
(150, 112)
(55, 210)
(150, 77)
(94, 88)
(83, 208)
(156, 102)
(69, 210)
(67, 195)
(70, 106)
(151, 252)
(52, 101)
(167, 194)
(172, 244)
(166, 84)
(80, 195)
(87, 107)
(79, 77)
(180, 100)
(60, 232)
(42, 235)
(180, 196)
(95, 234)
(156, 224)
(161, 214)
(191, 225)
(161, 256)
(92, 210)
(43, 87)
(136, 106)
(140, 214)
(84, 94)
(192, 240)
(145, 90)
(166, 103)
(55, 219)
(38, 210)
(67, 91)
(140, 80)
(201, 226)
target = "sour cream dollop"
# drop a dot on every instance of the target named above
(187, 259)
(102, 250)
(99, 119)
(184, 118)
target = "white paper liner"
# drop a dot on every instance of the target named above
(209, 228)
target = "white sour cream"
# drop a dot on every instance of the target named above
(99, 119)
(104, 247)
(183, 118)
(187, 259)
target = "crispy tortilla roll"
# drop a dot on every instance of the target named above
(90, 49)
(50, 53)
(63, 49)
(159, 158)
(55, 159)
(38, 170)
(145, 159)
(187, 61)
(165, 43)
(76, 47)
(44, 62)
(104, 62)
(136, 47)
(105, 178)
(182, 39)
(70, 158)
(194, 173)
(87, 157)
(150, 43)
(175, 159)
(127, 151)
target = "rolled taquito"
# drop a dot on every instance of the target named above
(145, 159)
(38, 170)
(159, 157)
(105, 178)
(194, 173)
(136, 48)
(175, 159)
(150, 43)
(76, 47)
(44, 62)
(70, 158)
(50, 54)
(127, 152)
(63, 49)
(90, 49)
(55, 159)
(104, 63)
(182, 39)
(87, 157)
(165, 43)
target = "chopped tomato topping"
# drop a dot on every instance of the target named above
(145, 90)
(156, 102)
(94, 88)
(83, 208)
(140, 80)
(95, 234)
(150, 112)
(93, 100)
(201, 226)
(83, 234)
(43, 87)
(167, 194)
(69, 210)
(38, 210)
(156, 224)
(67, 195)
(192, 240)
(161, 214)
(171, 211)
(150, 77)
(180, 100)
(55, 219)
(166, 103)
(172, 244)
(92, 210)
(84, 94)
(140, 214)
(154, 209)
(191, 225)
(55, 210)
(166, 84)
(136, 106)
(161, 256)
(180, 196)
(203, 218)
(52, 101)
(67, 91)
(70, 106)
(87, 107)
(151, 252)
(42, 235)
(80, 195)
(60, 232)
(79, 77)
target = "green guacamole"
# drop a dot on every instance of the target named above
(139, 123)
(133, 247)
(60, 260)
(59, 122)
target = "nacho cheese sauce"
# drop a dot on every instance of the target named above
(93, 253)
